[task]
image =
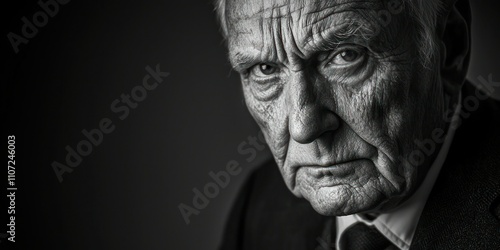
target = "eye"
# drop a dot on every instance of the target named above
(348, 64)
(347, 57)
(264, 80)
(263, 70)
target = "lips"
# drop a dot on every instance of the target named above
(329, 176)
(338, 170)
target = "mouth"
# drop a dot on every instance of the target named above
(336, 171)
(323, 176)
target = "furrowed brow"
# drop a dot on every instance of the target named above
(357, 32)
(352, 31)
(359, 27)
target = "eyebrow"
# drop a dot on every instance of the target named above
(353, 31)
(241, 61)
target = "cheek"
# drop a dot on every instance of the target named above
(262, 112)
(272, 119)
(374, 110)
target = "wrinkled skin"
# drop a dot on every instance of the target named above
(340, 103)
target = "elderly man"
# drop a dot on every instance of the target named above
(380, 141)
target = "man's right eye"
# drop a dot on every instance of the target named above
(263, 70)
(264, 81)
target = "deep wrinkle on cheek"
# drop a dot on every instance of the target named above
(367, 109)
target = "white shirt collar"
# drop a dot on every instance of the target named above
(400, 224)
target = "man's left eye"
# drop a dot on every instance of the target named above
(347, 56)
(348, 64)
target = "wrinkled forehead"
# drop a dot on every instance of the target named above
(297, 23)
(278, 8)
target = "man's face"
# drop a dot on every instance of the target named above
(339, 94)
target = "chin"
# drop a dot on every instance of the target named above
(340, 200)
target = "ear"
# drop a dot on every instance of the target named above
(454, 40)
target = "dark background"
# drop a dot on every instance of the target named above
(125, 194)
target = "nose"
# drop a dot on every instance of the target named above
(309, 116)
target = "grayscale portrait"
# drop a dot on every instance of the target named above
(251, 125)
(378, 139)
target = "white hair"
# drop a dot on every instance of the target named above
(424, 12)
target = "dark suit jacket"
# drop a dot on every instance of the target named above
(462, 211)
